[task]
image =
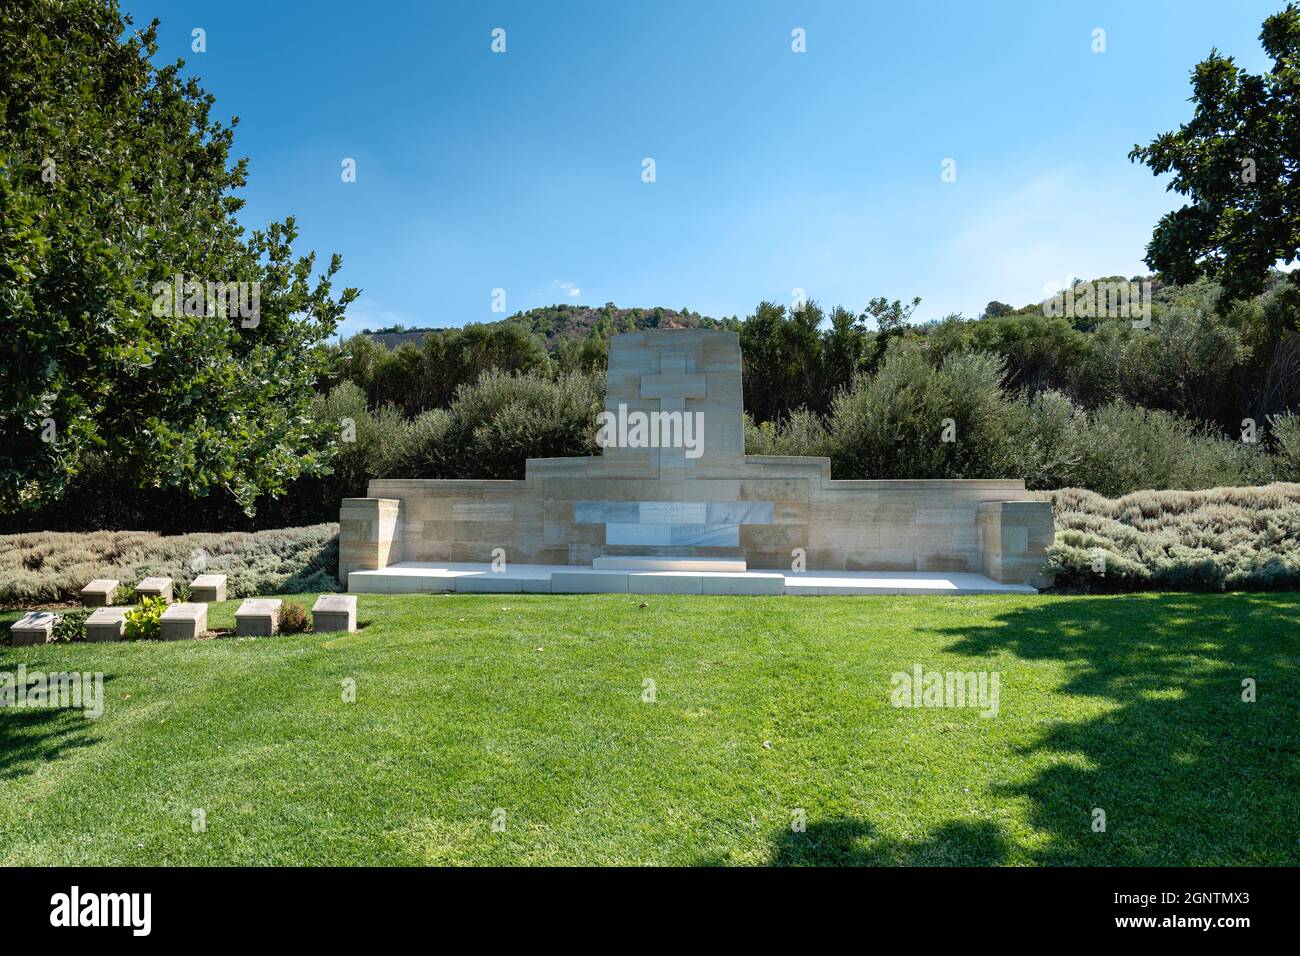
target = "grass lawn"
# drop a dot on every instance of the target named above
(533, 704)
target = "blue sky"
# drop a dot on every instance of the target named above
(774, 170)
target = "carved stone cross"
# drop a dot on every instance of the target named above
(672, 387)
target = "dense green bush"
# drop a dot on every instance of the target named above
(293, 618)
(502, 420)
(423, 449)
(144, 622)
(366, 441)
(1217, 539)
(491, 428)
(71, 626)
(912, 420)
(802, 433)
(36, 568)
(1286, 438)
(1125, 448)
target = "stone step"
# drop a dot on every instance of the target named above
(416, 577)
(619, 562)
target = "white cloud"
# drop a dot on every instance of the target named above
(568, 288)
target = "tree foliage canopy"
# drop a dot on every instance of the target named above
(114, 181)
(1237, 160)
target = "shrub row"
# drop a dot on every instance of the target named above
(44, 567)
(489, 431)
(1212, 540)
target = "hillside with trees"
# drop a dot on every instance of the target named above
(557, 323)
(1213, 367)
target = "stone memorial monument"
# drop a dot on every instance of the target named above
(674, 494)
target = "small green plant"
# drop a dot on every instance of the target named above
(145, 622)
(182, 592)
(123, 596)
(71, 626)
(293, 618)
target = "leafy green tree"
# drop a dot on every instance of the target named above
(845, 344)
(1038, 350)
(1236, 160)
(115, 185)
(402, 378)
(588, 354)
(782, 354)
(891, 320)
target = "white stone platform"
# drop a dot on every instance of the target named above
(421, 577)
(614, 562)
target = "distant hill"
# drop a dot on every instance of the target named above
(397, 335)
(555, 322)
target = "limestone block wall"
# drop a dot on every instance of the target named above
(761, 508)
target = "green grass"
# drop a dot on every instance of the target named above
(533, 704)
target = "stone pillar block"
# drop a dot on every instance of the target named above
(154, 587)
(334, 612)
(1014, 537)
(370, 534)
(258, 617)
(184, 622)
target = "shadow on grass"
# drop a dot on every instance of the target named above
(845, 841)
(848, 842)
(33, 736)
(1185, 770)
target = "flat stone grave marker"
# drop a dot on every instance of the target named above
(334, 612)
(258, 617)
(184, 622)
(154, 587)
(106, 624)
(208, 587)
(34, 627)
(99, 592)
